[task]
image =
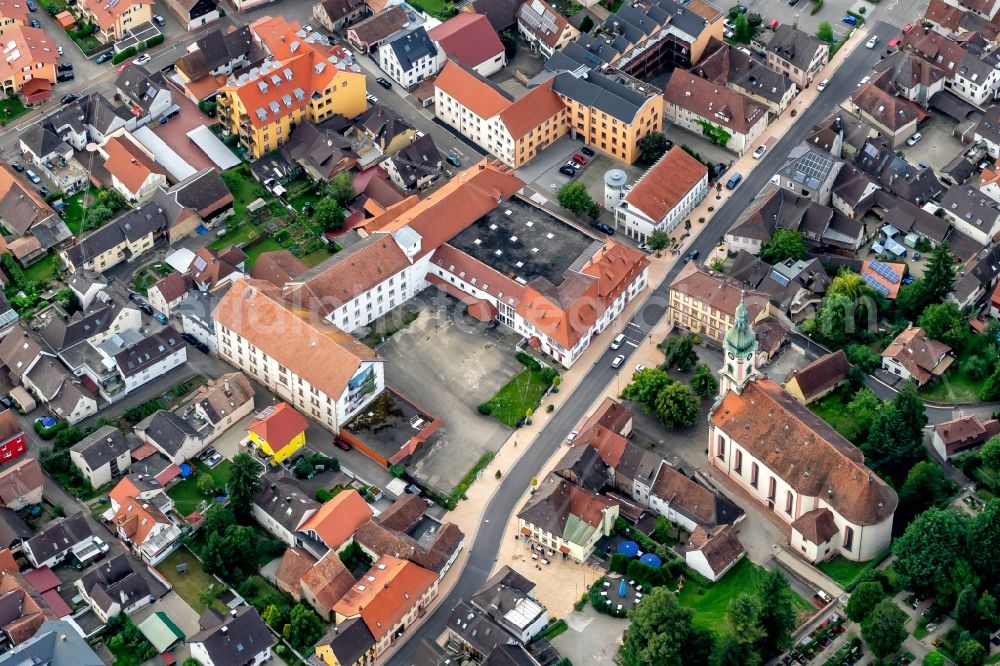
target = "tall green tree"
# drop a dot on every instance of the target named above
(824, 32)
(777, 614)
(885, 449)
(970, 653)
(933, 659)
(244, 482)
(990, 453)
(658, 240)
(307, 627)
(863, 600)
(742, 32)
(928, 550)
(966, 611)
(679, 352)
(850, 284)
(864, 407)
(743, 616)
(885, 628)
(783, 244)
(328, 214)
(575, 198)
(341, 188)
(944, 322)
(646, 385)
(703, 381)
(231, 555)
(659, 632)
(652, 147)
(912, 409)
(983, 541)
(939, 274)
(925, 486)
(677, 406)
(729, 651)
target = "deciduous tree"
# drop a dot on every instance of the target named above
(646, 385)
(863, 600)
(652, 146)
(328, 214)
(777, 614)
(677, 406)
(944, 322)
(679, 352)
(703, 381)
(658, 240)
(824, 32)
(885, 628)
(575, 198)
(970, 653)
(659, 632)
(783, 244)
(928, 549)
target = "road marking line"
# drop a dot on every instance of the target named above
(629, 342)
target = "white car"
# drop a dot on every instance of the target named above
(640, 367)
(912, 141)
(570, 437)
(60, 50)
(864, 80)
(759, 153)
(372, 99)
(872, 42)
(617, 362)
(142, 60)
(821, 86)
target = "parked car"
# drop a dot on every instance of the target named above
(821, 86)
(864, 80)
(35, 23)
(44, 191)
(571, 436)
(341, 444)
(644, 247)
(894, 44)
(908, 27)
(384, 82)
(691, 256)
(160, 317)
(31, 5)
(640, 367)
(870, 44)
(587, 151)
(617, 362)
(734, 180)
(567, 171)
(159, 20)
(64, 67)
(742, 9)
(145, 307)
(759, 153)
(132, 296)
(580, 158)
(63, 77)
(912, 141)
(32, 176)
(17, 166)
(59, 50)
(104, 57)
(720, 169)
(850, 20)
(728, 24)
(792, 3)
(70, 98)
(454, 161)
(600, 226)
(142, 60)
(6, 401)
(618, 341)
(372, 99)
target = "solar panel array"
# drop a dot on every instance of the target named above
(876, 285)
(885, 271)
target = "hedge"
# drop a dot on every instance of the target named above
(529, 361)
(124, 55)
(155, 40)
(49, 433)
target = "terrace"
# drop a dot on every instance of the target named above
(390, 428)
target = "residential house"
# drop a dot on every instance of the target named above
(58, 539)
(238, 638)
(818, 379)
(686, 503)
(730, 66)
(389, 599)
(113, 587)
(913, 355)
(210, 270)
(507, 598)
(796, 54)
(661, 198)
(712, 553)
(502, 14)
(325, 584)
(134, 173)
(195, 312)
(980, 276)
(910, 76)
(950, 438)
(972, 212)
(12, 442)
(335, 15)
(470, 40)
(896, 118)
(222, 402)
(796, 287)
(281, 506)
(86, 288)
(212, 58)
(384, 128)
(988, 130)
(141, 523)
(193, 14)
(278, 432)
(348, 643)
(333, 525)
(840, 506)
(279, 267)
(8, 318)
(371, 33)
(544, 28)
(123, 239)
(102, 456)
(409, 58)
(167, 293)
(155, 355)
(566, 518)
(22, 208)
(852, 191)
(694, 103)
(12, 13)
(24, 609)
(114, 20)
(809, 173)
(45, 151)
(50, 383)
(146, 93)
(21, 482)
(305, 79)
(29, 63)
(55, 643)
(416, 166)
(879, 161)
(338, 375)
(319, 152)
(171, 435)
(970, 77)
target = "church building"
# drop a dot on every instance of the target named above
(793, 462)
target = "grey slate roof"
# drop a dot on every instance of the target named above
(13, 530)
(412, 47)
(42, 141)
(281, 497)
(150, 218)
(969, 204)
(168, 430)
(793, 45)
(602, 93)
(58, 537)
(56, 643)
(349, 640)
(60, 332)
(245, 636)
(417, 160)
(140, 85)
(114, 581)
(102, 446)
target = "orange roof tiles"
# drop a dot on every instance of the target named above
(338, 518)
(25, 46)
(137, 518)
(919, 354)
(386, 593)
(278, 426)
(129, 163)
(293, 336)
(469, 38)
(666, 183)
(328, 580)
(532, 110)
(471, 91)
(107, 13)
(14, 10)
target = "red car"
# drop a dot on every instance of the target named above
(908, 27)
(580, 159)
(894, 43)
(341, 444)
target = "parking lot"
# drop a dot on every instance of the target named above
(938, 147)
(450, 364)
(800, 14)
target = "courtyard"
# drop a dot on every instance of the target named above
(453, 363)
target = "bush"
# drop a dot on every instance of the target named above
(485, 408)
(49, 433)
(323, 496)
(55, 196)
(528, 361)
(124, 55)
(550, 408)
(155, 40)
(817, 6)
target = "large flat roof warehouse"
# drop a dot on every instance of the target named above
(524, 242)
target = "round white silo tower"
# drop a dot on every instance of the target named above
(614, 188)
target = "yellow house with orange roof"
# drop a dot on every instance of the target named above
(278, 432)
(12, 13)
(305, 81)
(28, 53)
(114, 18)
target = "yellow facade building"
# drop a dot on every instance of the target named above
(114, 19)
(306, 80)
(278, 432)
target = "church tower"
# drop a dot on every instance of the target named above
(739, 349)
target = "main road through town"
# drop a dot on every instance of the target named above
(502, 505)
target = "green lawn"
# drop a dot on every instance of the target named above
(511, 403)
(833, 410)
(11, 108)
(186, 495)
(89, 44)
(441, 9)
(253, 253)
(314, 258)
(190, 584)
(953, 387)
(73, 212)
(711, 603)
(43, 270)
(842, 570)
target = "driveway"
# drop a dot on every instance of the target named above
(938, 147)
(449, 365)
(592, 638)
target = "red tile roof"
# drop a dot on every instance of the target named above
(338, 518)
(920, 355)
(468, 38)
(386, 593)
(713, 102)
(532, 110)
(470, 91)
(129, 163)
(107, 13)
(669, 180)
(278, 425)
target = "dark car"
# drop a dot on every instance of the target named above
(104, 57)
(65, 67)
(6, 401)
(31, 5)
(720, 169)
(70, 98)
(384, 82)
(587, 151)
(341, 444)
(691, 256)
(35, 23)
(600, 226)
(17, 166)
(145, 307)
(44, 191)
(567, 171)
(65, 76)
(454, 161)
(132, 296)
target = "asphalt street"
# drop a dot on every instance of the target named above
(503, 503)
